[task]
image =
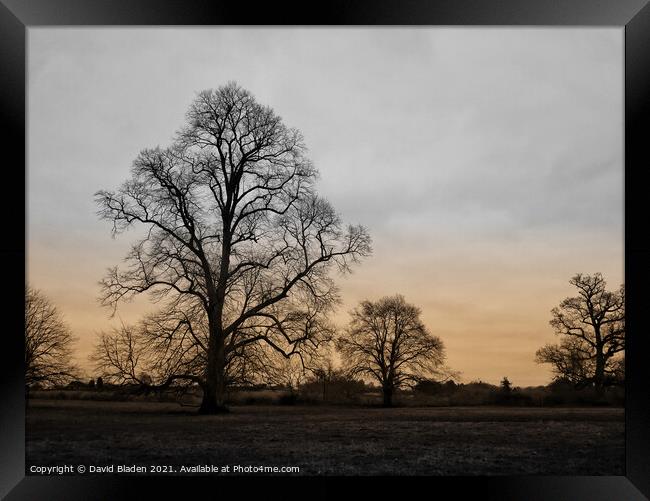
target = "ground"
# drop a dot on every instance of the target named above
(330, 440)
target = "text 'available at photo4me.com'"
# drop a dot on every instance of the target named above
(68, 469)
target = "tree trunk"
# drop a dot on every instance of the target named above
(214, 393)
(599, 374)
(213, 401)
(388, 396)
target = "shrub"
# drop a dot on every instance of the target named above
(288, 399)
(333, 387)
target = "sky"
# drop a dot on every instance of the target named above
(486, 163)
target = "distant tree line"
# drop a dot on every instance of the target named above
(385, 348)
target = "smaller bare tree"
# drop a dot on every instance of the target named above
(48, 342)
(592, 330)
(386, 341)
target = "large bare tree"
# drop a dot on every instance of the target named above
(48, 342)
(592, 330)
(233, 225)
(386, 341)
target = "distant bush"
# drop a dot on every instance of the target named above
(514, 398)
(345, 391)
(113, 395)
(288, 399)
(474, 393)
(430, 387)
(333, 387)
(79, 385)
(558, 393)
(253, 396)
(563, 395)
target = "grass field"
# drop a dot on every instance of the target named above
(330, 440)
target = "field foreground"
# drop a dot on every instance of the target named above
(328, 440)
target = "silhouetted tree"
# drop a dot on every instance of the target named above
(386, 341)
(592, 327)
(234, 227)
(48, 342)
(506, 386)
(436, 387)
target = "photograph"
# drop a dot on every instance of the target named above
(325, 251)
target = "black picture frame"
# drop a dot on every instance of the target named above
(631, 15)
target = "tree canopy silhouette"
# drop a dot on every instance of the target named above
(592, 328)
(48, 342)
(234, 227)
(386, 341)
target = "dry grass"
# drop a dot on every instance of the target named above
(331, 440)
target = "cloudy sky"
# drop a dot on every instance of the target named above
(486, 163)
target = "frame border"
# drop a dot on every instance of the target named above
(632, 15)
